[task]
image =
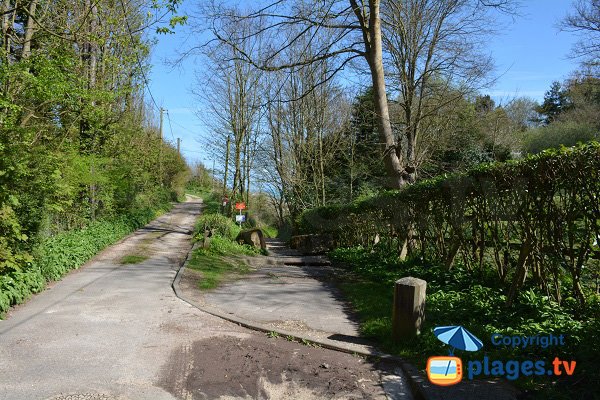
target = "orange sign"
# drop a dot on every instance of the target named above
(240, 206)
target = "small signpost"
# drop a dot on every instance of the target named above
(224, 202)
(240, 218)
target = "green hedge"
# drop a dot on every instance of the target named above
(57, 255)
(537, 219)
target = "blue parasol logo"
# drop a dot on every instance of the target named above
(458, 337)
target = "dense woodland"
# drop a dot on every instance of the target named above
(78, 143)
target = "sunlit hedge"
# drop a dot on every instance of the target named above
(538, 218)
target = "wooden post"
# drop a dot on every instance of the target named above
(408, 311)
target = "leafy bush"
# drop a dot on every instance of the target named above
(221, 261)
(476, 301)
(220, 224)
(17, 285)
(221, 246)
(559, 134)
(69, 250)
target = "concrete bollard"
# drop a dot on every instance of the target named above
(409, 308)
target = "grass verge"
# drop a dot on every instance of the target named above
(222, 262)
(216, 269)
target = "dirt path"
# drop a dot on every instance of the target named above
(111, 331)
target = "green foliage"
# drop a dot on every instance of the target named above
(270, 232)
(57, 255)
(69, 250)
(210, 199)
(221, 246)
(476, 301)
(17, 285)
(219, 224)
(559, 134)
(80, 161)
(216, 269)
(556, 102)
(220, 261)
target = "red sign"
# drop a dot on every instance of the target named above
(240, 206)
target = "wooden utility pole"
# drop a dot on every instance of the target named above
(162, 111)
(179, 146)
(226, 164)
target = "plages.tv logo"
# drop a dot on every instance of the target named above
(448, 370)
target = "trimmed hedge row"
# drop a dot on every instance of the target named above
(66, 251)
(538, 218)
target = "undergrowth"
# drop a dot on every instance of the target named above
(223, 258)
(477, 302)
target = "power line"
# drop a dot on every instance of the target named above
(137, 57)
(170, 127)
(181, 126)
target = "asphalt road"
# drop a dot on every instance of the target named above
(106, 330)
(109, 331)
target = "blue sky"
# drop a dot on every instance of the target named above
(529, 55)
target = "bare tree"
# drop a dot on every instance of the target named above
(355, 32)
(304, 135)
(585, 20)
(230, 92)
(435, 55)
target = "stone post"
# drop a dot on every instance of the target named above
(206, 241)
(409, 308)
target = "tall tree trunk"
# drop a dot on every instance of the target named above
(93, 46)
(29, 30)
(248, 166)
(7, 29)
(371, 27)
(227, 146)
(237, 178)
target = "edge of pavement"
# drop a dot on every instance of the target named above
(415, 379)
